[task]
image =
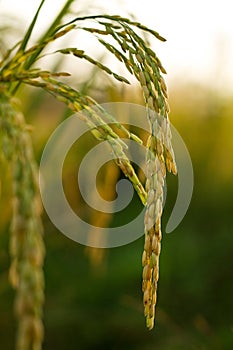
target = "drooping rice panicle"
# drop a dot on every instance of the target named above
(142, 62)
(133, 51)
(157, 111)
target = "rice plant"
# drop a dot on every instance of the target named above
(19, 66)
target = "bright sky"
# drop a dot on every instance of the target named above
(199, 33)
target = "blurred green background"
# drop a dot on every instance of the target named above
(97, 303)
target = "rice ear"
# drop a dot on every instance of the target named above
(132, 50)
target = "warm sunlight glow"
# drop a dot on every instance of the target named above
(199, 33)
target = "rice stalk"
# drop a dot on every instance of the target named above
(26, 241)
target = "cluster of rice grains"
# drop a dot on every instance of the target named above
(132, 49)
(143, 63)
(26, 241)
(159, 156)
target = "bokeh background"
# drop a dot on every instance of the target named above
(93, 297)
